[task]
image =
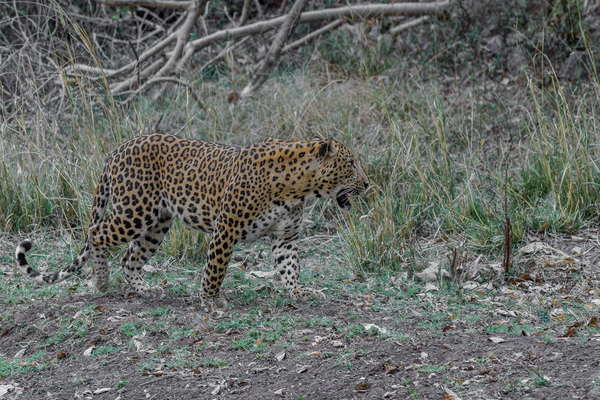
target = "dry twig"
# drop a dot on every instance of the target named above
(452, 259)
(506, 259)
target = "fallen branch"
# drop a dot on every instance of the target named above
(407, 25)
(261, 75)
(129, 67)
(245, 13)
(222, 54)
(181, 5)
(164, 79)
(363, 11)
(182, 34)
(313, 35)
(171, 54)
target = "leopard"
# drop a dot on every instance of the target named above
(238, 194)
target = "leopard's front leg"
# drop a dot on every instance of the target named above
(219, 253)
(285, 254)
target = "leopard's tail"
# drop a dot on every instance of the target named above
(99, 205)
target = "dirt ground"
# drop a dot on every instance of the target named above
(380, 368)
(523, 339)
(532, 335)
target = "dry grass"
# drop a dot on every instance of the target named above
(436, 152)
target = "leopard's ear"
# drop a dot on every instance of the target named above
(328, 149)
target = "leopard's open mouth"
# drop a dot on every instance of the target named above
(343, 199)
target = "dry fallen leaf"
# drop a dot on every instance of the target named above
(363, 386)
(430, 287)
(474, 268)
(390, 369)
(280, 356)
(450, 395)
(103, 390)
(571, 332)
(593, 323)
(88, 351)
(534, 247)
(61, 355)
(5, 389)
(494, 339)
(431, 274)
(99, 308)
(337, 343)
(369, 326)
(232, 97)
(526, 277)
(20, 353)
(261, 274)
(302, 369)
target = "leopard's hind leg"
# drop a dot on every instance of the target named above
(110, 233)
(139, 252)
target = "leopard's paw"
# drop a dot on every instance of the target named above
(213, 303)
(151, 293)
(307, 293)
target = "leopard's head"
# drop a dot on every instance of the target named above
(340, 175)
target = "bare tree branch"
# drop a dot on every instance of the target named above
(181, 5)
(156, 61)
(155, 49)
(117, 88)
(183, 34)
(165, 79)
(313, 35)
(407, 25)
(283, 6)
(261, 15)
(222, 54)
(245, 13)
(261, 75)
(363, 11)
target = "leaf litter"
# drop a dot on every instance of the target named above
(403, 338)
